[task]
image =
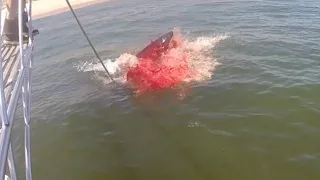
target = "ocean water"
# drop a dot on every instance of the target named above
(254, 114)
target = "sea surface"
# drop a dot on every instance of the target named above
(254, 115)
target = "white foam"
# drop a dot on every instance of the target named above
(201, 59)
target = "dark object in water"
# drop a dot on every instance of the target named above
(156, 48)
(156, 69)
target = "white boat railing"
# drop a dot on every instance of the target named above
(9, 99)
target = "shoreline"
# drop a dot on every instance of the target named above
(45, 8)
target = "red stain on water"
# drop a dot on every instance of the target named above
(166, 70)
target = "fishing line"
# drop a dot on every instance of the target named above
(85, 34)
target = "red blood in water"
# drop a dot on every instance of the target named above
(159, 72)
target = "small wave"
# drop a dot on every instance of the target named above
(200, 59)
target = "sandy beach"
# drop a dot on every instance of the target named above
(43, 8)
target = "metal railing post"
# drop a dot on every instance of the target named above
(22, 88)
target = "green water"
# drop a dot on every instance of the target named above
(258, 117)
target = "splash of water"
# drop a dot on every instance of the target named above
(191, 61)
